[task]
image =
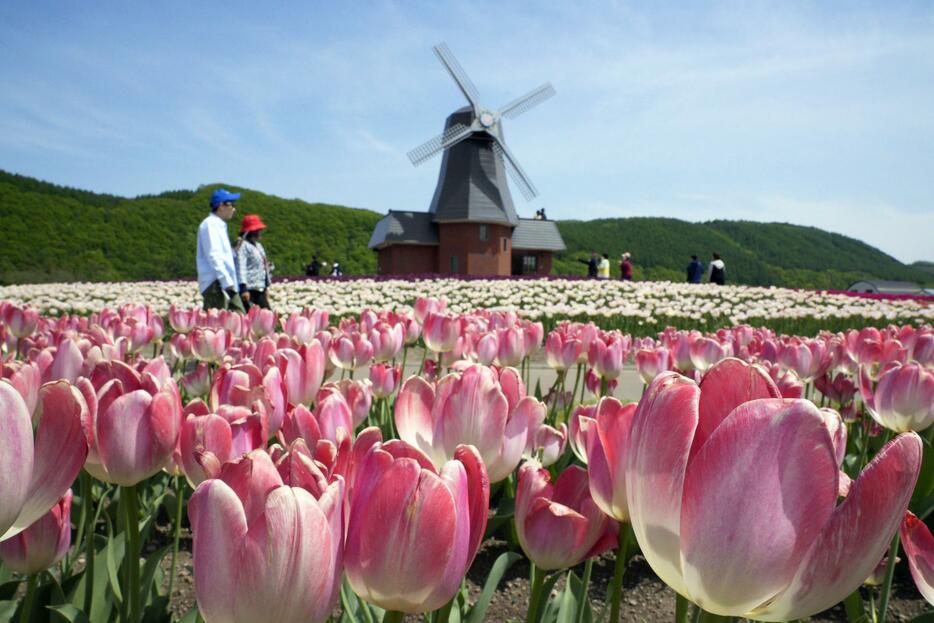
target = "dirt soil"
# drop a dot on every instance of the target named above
(645, 597)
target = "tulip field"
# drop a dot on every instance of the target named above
(637, 308)
(354, 454)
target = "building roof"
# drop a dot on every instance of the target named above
(885, 287)
(404, 228)
(537, 235)
(472, 180)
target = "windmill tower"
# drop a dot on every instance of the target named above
(472, 223)
(472, 180)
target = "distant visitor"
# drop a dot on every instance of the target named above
(591, 264)
(603, 268)
(695, 270)
(717, 270)
(313, 269)
(217, 273)
(336, 270)
(625, 268)
(252, 266)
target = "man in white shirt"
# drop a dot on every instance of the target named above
(217, 275)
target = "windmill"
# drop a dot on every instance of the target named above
(471, 183)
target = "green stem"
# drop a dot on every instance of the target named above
(887, 583)
(179, 497)
(393, 616)
(405, 354)
(131, 556)
(709, 617)
(682, 608)
(29, 599)
(87, 492)
(604, 387)
(538, 583)
(585, 585)
(854, 607)
(616, 586)
(577, 382)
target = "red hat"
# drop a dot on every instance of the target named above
(251, 222)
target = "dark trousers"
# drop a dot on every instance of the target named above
(214, 298)
(258, 298)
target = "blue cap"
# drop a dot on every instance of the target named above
(221, 195)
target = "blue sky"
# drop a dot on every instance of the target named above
(815, 113)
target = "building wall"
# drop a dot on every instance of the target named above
(474, 256)
(407, 259)
(542, 262)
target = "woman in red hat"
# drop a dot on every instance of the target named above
(252, 267)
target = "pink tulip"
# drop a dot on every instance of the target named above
(209, 345)
(733, 499)
(264, 550)
(198, 381)
(262, 321)
(440, 332)
(36, 468)
(183, 320)
(66, 363)
(705, 352)
(533, 333)
(923, 350)
(903, 399)
(425, 306)
(486, 349)
(414, 530)
(652, 362)
(385, 379)
(25, 377)
(606, 435)
(919, 547)
(387, 340)
(472, 407)
(808, 359)
(302, 371)
(21, 321)
(204, 446)
(511, 349)
(561, 353)
(559, 525)
(43, 543)
(350, 351)
(841, 389)
(135, 430)
(607, 357)
(547, 445)
(358, 394)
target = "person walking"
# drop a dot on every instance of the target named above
(591, 264)
(313, 269)
(603, 269)
(336, 270)
(625, 268)
(717, 270)
(695, 270)
(217, 273)
(252, 265)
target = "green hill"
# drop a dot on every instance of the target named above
(54, 233)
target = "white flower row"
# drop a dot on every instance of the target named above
(647, 302)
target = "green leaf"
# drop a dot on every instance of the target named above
(191, 616)
(102, 601)
(157, 611)
(925, 484)
(567, 611)
(8, 610)
(549, 612)
(68, 612)
(149, 572)
(500, 566)
(8, 589)
(113, 556)
(924, 617)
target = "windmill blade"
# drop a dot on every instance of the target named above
(460, 76)
(515, 171)
(455, 134)
(528, 101)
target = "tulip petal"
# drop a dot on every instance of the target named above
(728, 384)
(16, 456)
(478, 488)
(771, 462)
(218, 526)
(919, 546)
(61, 448)
(286, 566)
(413, 413)
(660, 442)
(855, 538)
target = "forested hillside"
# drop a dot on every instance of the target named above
(53, 233)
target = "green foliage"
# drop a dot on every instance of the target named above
(55, 233)
(755, 253)
(62, 234)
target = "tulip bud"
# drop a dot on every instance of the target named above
(43, 543)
